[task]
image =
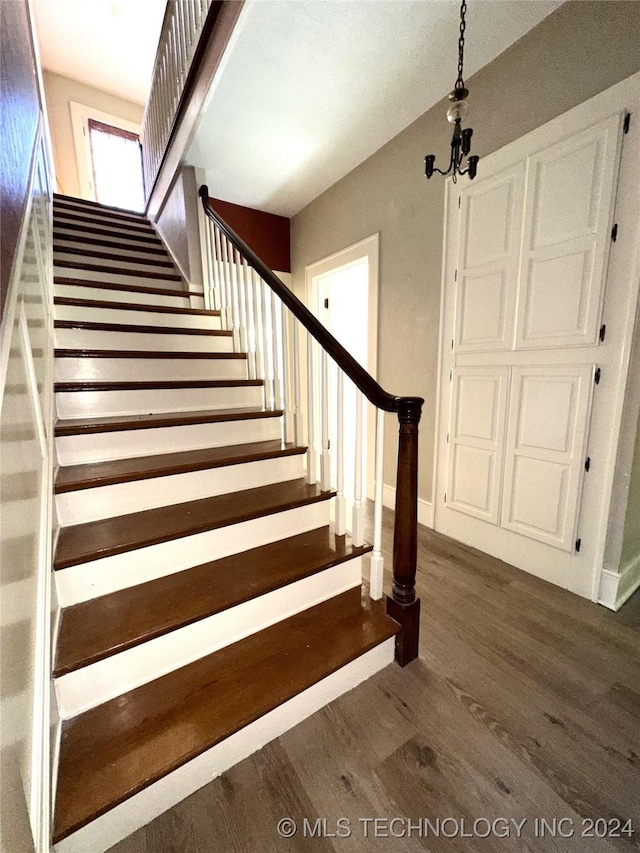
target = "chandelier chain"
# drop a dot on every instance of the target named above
(463, 24)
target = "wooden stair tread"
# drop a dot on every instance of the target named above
(97, 241)
(72, 387)
(61, 198)
(62, 208)
(96, 629)
(134, 327)
(97, 253)
(134, 306)
(122, 270)
(128, 288)
(81, 543)
(115, 750)
(59, 227)
(118, 423)
(87, 476)
(64, 214)
(135, 353)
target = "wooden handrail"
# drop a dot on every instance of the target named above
(343, 358)
(403, 604)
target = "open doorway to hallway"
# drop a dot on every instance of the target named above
(342, 291)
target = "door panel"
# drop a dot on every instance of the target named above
(491, 217)
(477, 434)
(545, 451)
(568, 210)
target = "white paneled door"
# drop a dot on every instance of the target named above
(524, 294)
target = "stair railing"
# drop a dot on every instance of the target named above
(182, 27)
(267, 321)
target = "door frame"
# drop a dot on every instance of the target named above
(80, 115)
(369, 248)
(606, 505)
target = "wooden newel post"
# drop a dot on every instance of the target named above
(402, 604)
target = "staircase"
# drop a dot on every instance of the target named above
(206, 603)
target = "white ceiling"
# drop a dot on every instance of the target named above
(309, 89)
(109, 44)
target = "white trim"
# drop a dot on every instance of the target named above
(123, 820)
(624, 265)
(80, 115)
(425, 508)
(616, 588)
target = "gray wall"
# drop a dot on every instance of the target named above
(631, 541)
(579, 50)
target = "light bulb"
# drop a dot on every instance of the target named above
(457, 110)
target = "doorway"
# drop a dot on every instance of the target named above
(342, 291)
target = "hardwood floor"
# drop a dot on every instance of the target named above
(525, 703)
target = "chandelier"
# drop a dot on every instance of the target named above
(461, 139)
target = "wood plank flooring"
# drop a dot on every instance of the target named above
(525, 703)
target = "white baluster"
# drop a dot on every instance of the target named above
(235, 301)
(357, 529)
(251, 322)
(377, 561)
(226, 260)
(276, 346)
(222, 281)
(286, 384)
(340, 507)
(269, 364)
(325, 459)
(242, 302)
(311, 452)
(257, 310)
(211, 284)
(297, 405)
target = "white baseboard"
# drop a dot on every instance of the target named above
(425, 508)
(617, 587)
(121, 821)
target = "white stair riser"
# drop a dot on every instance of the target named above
(108, 574)
(95, 404)
(156, 341)
(123, 820)
(118, 278)
(122, 251)
(78, 237)
(115, 263)
(130, 317)
(127, 444)
(122, 498)
(76, 291)
(90, 686)
(68, 369)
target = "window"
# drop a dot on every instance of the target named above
(116, 165)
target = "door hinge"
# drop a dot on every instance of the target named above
(450, 375)
(587, 463)
(627, 122)
(455, 275)
(451, 343)
(459, 200)
(447, 438)
(614, 232)
(597, 375)
(445, 497)
(326, 303)
(578, 545)
(603, 331)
